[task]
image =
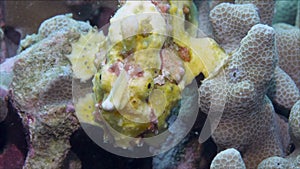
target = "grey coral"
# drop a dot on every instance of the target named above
(249, 122)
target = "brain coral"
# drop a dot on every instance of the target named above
(248, 115)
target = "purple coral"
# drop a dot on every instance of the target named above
(293, 160)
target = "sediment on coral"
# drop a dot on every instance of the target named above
(42, 90)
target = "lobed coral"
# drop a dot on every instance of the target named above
(292, 161)
(266, 9)
(288, 42)
(280, 88)
(248, 116)
(283, 91)
(227, 20)
(278, 85)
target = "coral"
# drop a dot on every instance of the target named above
(231, 22)
(288, 42)
(293, 160)
(248, 115)
(188, 153)
(229, 158)
(49, 139)
(36, 72)
(286, 12)
(61, 23)
(265, 9)
(283, 91)
(274, 163)
(5, 80)
(217, 2)
(6, 73)
(42, 84)
(294, 122)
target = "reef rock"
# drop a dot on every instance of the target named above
(42, 90)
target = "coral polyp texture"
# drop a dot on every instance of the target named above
(292, 161)
(229, 158)
(279, 86)
(228, 19)
(288, 42)
(249, 122)
(132, 77)
(265, 9)
(283, 91)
